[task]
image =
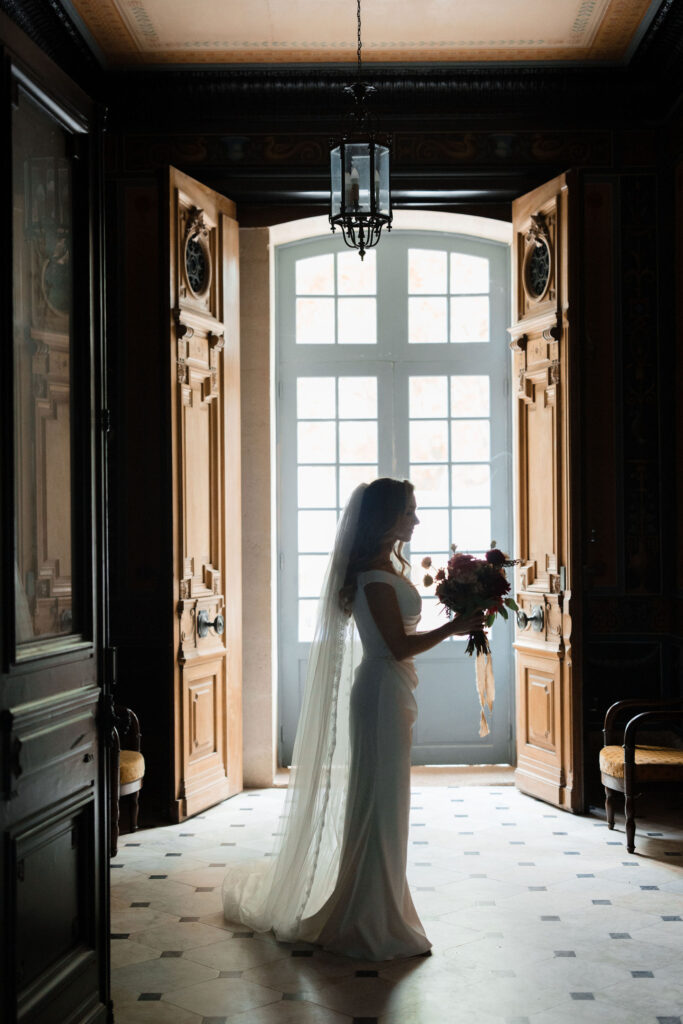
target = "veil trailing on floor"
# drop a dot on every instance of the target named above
(280, 890)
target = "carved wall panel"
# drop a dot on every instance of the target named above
(540, 720)
(204, 739)
(204, 718)
(540, 712)
(52, 483)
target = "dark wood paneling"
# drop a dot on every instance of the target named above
(140, 525)
(640, 348)
(678, 334)
(598, 386)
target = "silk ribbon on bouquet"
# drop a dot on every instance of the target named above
(486, 689)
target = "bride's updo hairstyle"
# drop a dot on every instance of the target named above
(383, 502)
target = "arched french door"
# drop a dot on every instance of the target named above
(397, 365)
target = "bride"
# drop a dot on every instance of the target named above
(338, 875)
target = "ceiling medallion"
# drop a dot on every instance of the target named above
(360, 195)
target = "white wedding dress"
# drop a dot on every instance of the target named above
(370, 914)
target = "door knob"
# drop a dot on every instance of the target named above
(535, 619)
(204, 624)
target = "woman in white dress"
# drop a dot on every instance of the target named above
(339, 876)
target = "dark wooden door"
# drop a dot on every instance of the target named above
(52, 811)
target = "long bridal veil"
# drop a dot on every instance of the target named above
(279, 891)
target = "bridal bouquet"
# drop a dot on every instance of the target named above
(467, 585)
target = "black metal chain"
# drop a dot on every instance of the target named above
(360, 45)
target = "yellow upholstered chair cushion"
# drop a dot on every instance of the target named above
(661, 764)
(132, 766)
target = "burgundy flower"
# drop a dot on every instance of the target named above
(495, 556)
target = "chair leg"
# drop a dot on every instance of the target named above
(629, 809)
(114, 825)
(609, 807)
(134, 811)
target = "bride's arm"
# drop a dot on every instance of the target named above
(383, 605)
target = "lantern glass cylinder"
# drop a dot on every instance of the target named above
(359, 178)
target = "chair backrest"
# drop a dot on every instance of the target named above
(612, 735)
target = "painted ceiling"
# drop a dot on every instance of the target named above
(324, 31)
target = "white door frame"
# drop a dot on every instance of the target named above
(475, 230)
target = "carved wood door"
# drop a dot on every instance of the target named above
(548, 704)
(206, 504)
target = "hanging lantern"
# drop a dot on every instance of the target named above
(360, 193)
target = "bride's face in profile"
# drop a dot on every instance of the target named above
(406, 523)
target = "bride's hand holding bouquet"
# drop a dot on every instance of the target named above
(472, 587)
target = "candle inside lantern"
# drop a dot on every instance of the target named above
(347, 189)
(355, 186)
(376, 189)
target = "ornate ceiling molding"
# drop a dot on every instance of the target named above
(289, 95)
(48, 25)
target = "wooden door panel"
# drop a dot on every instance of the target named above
(548, 720)
(203, 316)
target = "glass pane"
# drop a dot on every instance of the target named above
(358, 397)
(428, 396)
(431, 533)
(316, 442)
(351, 476)
(317, 487)
(316, 531)
(472, 528)
(433, 614)
(315, 276)
(307, 612)
(357, 323)
(469, 274)
(315, 321)
(431, 485)
(471, 485)
(315, 398)
(311, 573)
(469, 396)
(417, 574)
(42, 292)
(427, 321)
(357, 441)
(356, 276)
(427, 271)
(428, 441)
(470, 319)
(470, 440)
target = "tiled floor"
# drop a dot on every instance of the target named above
(537, 917)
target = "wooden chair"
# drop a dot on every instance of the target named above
(633, 768)
(127, 771)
